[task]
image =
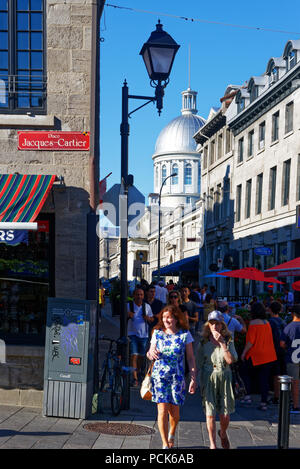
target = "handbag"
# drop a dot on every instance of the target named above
(146, 387)
(238, 385)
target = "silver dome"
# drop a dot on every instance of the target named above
(177, 136)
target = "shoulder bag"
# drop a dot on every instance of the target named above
(146, 387)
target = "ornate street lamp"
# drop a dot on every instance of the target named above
(158, 54)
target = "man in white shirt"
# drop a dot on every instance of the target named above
(163, 293)
(234, 323)
(139, 316)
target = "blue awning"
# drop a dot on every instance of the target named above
(216, 274)
(189, 264)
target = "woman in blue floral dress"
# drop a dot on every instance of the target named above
(170, 341)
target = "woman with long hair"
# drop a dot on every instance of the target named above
(215, 354)
(174, 299)
(170, 340)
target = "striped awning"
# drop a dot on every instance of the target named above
(23, 196)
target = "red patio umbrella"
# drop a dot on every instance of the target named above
(287, 269)
(296, 285)
(250, 273)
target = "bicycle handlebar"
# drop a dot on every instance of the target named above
(120, 341)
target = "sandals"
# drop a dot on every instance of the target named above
(171, 440)
(224, 441)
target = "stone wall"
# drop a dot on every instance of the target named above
(68, 108)
(69, 26)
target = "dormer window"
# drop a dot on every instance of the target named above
(253, 93)
(241, 104)
(273, 75)
(290, 59)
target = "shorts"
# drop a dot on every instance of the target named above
(293, 370)
(138, 345)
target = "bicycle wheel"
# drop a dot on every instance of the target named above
(117, 394)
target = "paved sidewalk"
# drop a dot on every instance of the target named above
(250, 428)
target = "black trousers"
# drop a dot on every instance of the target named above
(262, 373)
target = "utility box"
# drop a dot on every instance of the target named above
(69, 358)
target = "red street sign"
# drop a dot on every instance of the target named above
(58, 141)
(43, 225)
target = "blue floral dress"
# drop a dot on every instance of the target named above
(168, 383)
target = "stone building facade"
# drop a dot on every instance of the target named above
(63, 104)
(263, 170)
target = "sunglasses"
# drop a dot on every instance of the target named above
(173, 296)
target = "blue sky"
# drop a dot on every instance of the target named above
(220, 55)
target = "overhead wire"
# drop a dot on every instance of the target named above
(200, 20)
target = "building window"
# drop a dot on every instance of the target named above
(250, 143)
(273, 76)
(262, 134)
(289, 117)
(248, 198)
(156, 176)
(241, 150)
(22, 56)
(205, 153)
(238, 202)
(291, 59)
(272, 187)
(275, 126)
(286, 182)
(220, 145)
(228, 140)
(163, 173)
(253, 93)
(259, 189)
(188, 174)
(241, 104)
(188, 200)
(175, 171)
(212, 152)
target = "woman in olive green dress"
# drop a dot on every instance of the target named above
(214, 355)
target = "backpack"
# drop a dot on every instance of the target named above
(131, 306)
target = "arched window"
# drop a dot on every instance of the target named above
(175, 170)
(156, 176)
(187, 174)
(291, 59)
(163, 173)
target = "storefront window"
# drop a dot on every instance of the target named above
(25, 283)
(270, 259)
(282, 253)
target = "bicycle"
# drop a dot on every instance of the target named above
(112, 375)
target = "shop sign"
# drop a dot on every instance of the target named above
(13, 237)
(54, 141)
(263, 251)
(43, 225)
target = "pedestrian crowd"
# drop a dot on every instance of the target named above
(189, 335)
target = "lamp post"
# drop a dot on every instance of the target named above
(158, 54)
(159, 223)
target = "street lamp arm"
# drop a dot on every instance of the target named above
(151, 100)
(163, 183)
